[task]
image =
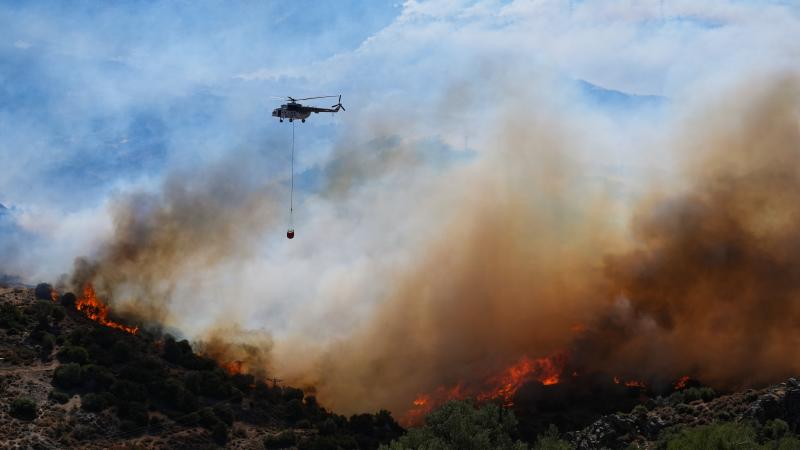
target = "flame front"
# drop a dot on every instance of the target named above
(97, 311)
(501, 386)
(504, 385)
(681, 383)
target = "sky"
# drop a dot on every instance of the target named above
(101, 102)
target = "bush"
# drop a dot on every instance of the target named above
(11, 318)
(459, 425)
(224, 412)
(220, 433)
(43, 291)
(68, 300)
(134, 411)
(550, 440)
(23, 408)
(283, 439)
(720, 436)
(48, 342)
(775, 429)
(73, 354)
(128, 391)
(68, 376)
(59, 396)
(96, 402)
(97, 378)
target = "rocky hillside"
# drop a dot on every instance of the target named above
(771, 413)
(70, 382)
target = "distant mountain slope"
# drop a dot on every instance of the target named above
(619, 100)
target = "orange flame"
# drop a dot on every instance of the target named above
(501, 386)
(630, 383)
(97, 311)
(682, 382)
(233, 367)
(546, 370)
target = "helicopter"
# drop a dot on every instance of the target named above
(294, 110)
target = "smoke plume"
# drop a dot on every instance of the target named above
(522, 250)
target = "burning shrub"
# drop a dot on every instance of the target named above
(44, 291)
(68, 376)
(73, 354)
(23, 408)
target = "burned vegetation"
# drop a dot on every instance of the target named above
(70, 380)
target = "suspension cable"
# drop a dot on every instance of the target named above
(291, 192)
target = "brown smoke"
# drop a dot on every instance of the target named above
(522, 254)
(713, 285)
(195, 222)
(707, 284)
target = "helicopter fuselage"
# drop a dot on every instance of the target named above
(293, 111)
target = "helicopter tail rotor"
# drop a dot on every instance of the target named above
(339, 105)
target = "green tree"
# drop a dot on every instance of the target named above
(459, 425)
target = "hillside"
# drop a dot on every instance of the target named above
(69, 382)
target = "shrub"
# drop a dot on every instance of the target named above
(721, 436)
(459, 425)
(96, 402)
(128, 391)
(283, 439)
(97, 377)
(775, 429)
(11, 318)
(68, 376)
(73, 354)
(43, 291)
(695, 393)
(23, 408)
(224, 412)
(220, 433)
(59, 396)
(207, 418)
(134, 411)
(209, 383)
(48, 342)
(550, 440)
(68, 300)
(57, 313)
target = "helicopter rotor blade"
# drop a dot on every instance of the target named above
(311, 98)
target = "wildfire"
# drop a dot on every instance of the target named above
(501, 387)
(682, 382)
(504, 385)
(97, 311)
(233, 367)
(630, 383)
